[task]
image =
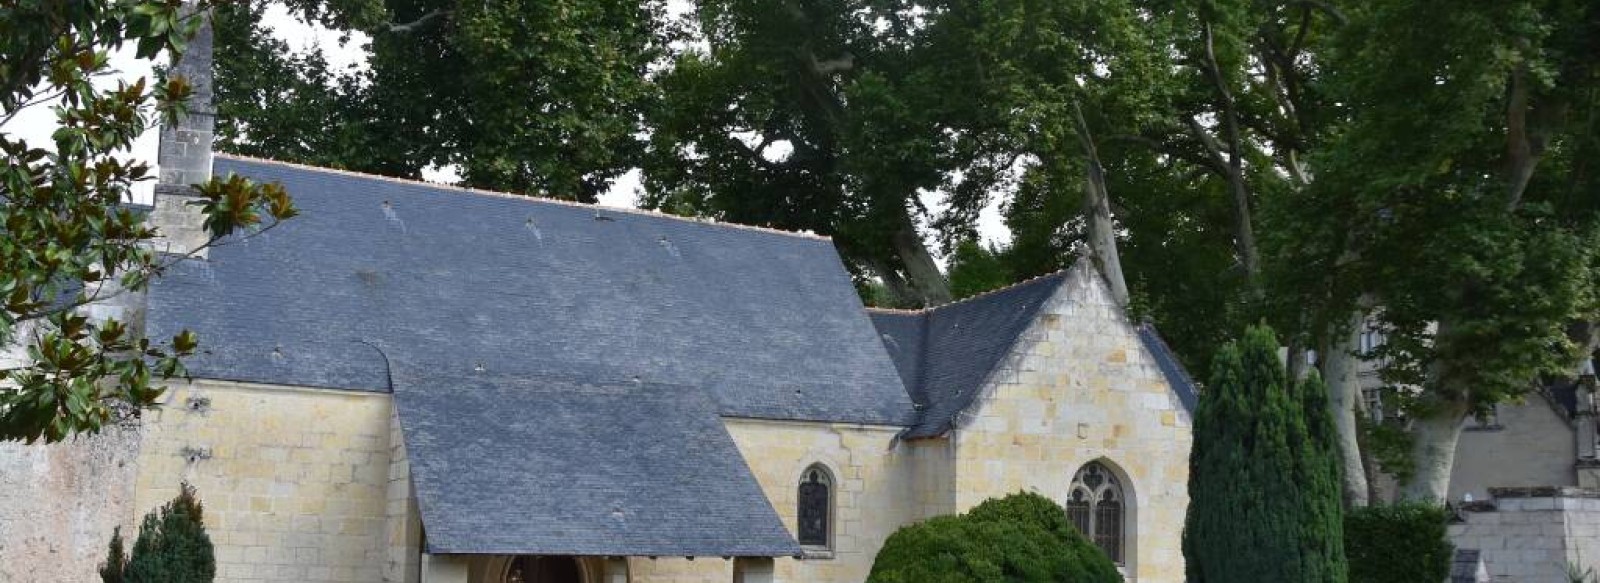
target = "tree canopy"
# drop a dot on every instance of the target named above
(1320, 166)
(68, 236)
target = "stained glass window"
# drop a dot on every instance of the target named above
(1096, 506)
(816, 492)
(1078, 509)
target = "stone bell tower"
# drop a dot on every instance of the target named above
(184, 154)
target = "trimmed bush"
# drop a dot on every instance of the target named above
(116, 561)
(1264, 485)
(172, 547)
(1401, 543)
(1022, 538)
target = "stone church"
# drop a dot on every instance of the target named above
(421, 383)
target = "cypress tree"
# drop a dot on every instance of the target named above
(116, 560)
(1263, 474)
(172, 546)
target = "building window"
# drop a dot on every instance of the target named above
(1488, 419)
(1371, 339)
(1373, 399)
(816, 507)
(1098, 507)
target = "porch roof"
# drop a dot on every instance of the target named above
(549, 466)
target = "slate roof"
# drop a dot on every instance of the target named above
(521, 465)
(766, 322)
(1177, 376)
(1564, 393)
(946, 354)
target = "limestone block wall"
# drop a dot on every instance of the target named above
(933, 483)
(60, 502)
(1532, 446)
(402, 519)
(1080, 387)
(1530, 535)
(295, 482)
(874, 495)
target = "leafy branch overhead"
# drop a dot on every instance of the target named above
(68, 237)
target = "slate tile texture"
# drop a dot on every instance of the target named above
(553, 467)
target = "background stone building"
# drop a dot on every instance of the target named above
(1525, 482)
(413, 382)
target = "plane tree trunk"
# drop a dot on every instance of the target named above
(1342, 367)
(1097, 209)
(921, 271)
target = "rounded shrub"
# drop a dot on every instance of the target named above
(1400, 543)
(1021, 538)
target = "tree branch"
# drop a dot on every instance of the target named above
(1244, 230)
(1327, 9)
(831, 66)
(1218, 160)
(412, 26)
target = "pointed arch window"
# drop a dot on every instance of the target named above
(815, 512)
(1096, 505)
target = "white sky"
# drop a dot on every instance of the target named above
(37, 123)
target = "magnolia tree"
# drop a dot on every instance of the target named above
(68, 237)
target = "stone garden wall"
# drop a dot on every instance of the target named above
(1530, 535)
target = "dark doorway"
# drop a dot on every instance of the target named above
(531, 569)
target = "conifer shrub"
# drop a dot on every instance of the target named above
(1024, 538)
(172, 546)
(1398, 543)
(116, 560)
(1264, 484)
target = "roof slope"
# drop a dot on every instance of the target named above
(946, 354)
(544, 466)
(1177, 376)
(960, 344)
(767, 322)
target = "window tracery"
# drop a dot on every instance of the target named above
(815, 512)
(1096, 505)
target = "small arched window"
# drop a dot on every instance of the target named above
(1097, 506)
(815, 513)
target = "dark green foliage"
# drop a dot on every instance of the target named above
(975, 269)
(1264, 479)
(1022, 538)
(65, 215)
(172, 546)
(1402, 543)
(541, 98)
(275, 103)
(116, 559)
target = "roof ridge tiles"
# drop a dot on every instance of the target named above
(529, 198)
(968, 299)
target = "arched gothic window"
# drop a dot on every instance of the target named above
(1097, 506)
(816, 506)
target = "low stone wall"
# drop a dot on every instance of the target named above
(1530, 535)
(60, 502)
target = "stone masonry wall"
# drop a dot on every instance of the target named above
(60, 502)
(1081, 387)
(295, 482)
(873, 497)
(1533, 446)
(402, 518)
(1534, 539)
